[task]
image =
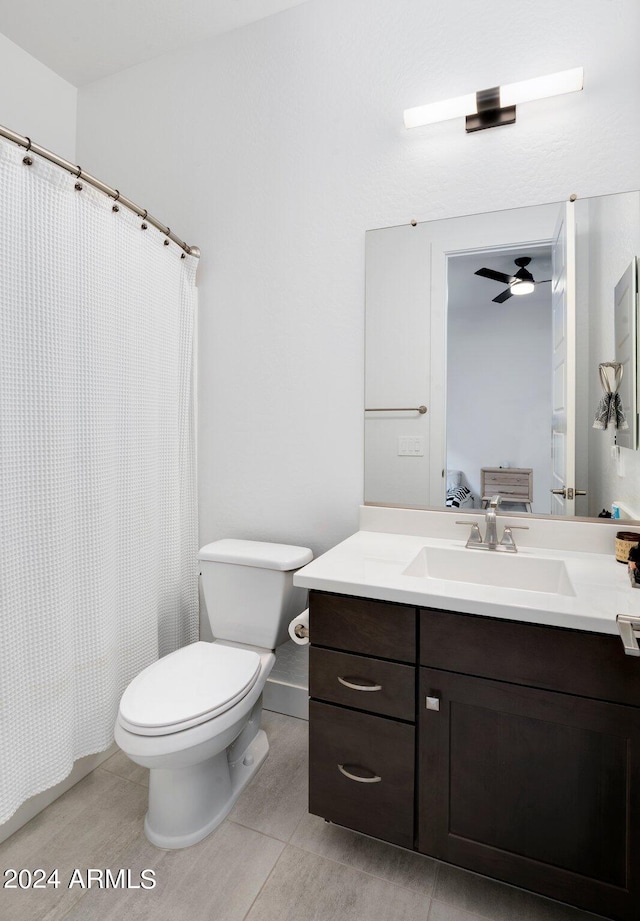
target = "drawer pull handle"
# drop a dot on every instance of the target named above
(359, 687)
(375, 778)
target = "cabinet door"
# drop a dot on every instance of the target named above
(536, 788)
(361, 770)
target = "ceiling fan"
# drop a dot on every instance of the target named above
(521, 282)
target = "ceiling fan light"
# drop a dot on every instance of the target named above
(522, 287)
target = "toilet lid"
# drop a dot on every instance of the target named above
(188, 687)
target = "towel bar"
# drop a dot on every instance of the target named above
(400, 409)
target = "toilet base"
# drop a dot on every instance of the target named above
(179, 800)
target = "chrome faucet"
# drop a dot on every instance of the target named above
(491, 532)
(490, 541)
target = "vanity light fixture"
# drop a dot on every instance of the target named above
(497, 105)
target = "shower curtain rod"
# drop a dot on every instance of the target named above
(79, 173)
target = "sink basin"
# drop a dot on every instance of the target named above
(495, 569)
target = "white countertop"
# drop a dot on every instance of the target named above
(371, 564)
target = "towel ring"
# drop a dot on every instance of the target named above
(618, 372)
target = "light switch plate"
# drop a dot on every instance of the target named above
(410, 446)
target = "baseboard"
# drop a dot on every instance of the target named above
(287, 687)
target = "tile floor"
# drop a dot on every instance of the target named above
(269, 861)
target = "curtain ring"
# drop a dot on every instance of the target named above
(143, 226)
(115, 202)
(167, 231)
(79, 173)
(27, 160)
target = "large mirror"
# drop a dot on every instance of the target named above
(501, 357)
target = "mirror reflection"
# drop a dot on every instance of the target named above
(517, 330)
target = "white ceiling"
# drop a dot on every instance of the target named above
(85, 40)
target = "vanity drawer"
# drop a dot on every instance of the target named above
(572, 661)
(364, 683)
(361, 772)
(372, 628)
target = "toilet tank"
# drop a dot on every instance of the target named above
(249, 592)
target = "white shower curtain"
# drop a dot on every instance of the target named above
(97, 471)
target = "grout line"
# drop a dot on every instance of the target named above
(381, 879)
(266, 880)
(121, 777)
(297, 826)
(473, 915)
(436, 879)
(258, 831)
(73, 906)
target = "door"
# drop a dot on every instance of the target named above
(563, 420)
(537, 788)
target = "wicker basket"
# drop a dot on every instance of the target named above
(625, 540)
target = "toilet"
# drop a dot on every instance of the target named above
(193, 717)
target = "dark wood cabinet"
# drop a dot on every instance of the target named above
(361, 772)
(362, 764)
(533, 787)
(372, 628)
(385, 688)
(526, 745)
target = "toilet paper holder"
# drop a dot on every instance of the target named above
(299, 628)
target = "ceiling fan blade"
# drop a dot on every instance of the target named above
(501, 298)
(543, 281)
(495, 276)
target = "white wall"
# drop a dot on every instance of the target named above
(275, 148)
(36, 102)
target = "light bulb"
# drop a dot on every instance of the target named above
(567, 81)
(440, 111)
(522, 287)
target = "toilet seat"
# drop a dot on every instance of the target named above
(188, 687)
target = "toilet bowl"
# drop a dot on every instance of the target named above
(196, 773)
(193, 717)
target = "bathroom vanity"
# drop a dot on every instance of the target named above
(495, 728)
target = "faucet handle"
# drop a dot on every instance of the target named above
(507, 536)
(475, 537)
